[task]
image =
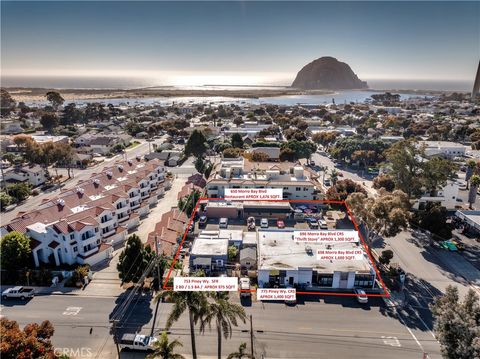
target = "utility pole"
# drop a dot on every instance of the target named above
(251, 336)
(159, 284)
(115, 338)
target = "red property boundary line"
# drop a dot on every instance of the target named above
(386, 293)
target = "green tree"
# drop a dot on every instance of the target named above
(164, 349)
(194, 303)
(302, 149)
(199, 165)
(15, 251)
(341, 189)
(196, 144)
(232, 152)
(232, 253)
(472, 192)
(384, 181)
(334, 176)
(55, 99)
(241, 354)
(188, 203)
(225, 315)
(386, 256)
(434, 219)
(258, 156)
(70, 115)
(49, 121)
(403, 157)
(19, 191)
(435, 173)
(133, 260)
(457, 323)
(387, 214)
(5, 200)
(471, 165)
(237, 140)
(7, 103)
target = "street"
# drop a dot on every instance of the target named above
(319, 327)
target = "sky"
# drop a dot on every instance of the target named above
(238, 42)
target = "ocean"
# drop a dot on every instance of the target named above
(76, 82)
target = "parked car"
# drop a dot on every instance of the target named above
(137, 342)
(223, 223)
(462, 186)
(361, 295)
(322, 224)
(280, 224)
(449, 245)
(264, 223)
(18, 292)
(202, 222)
(460, 246)
(312, 163)
(245, 285)
(327, 182)
(251, 223)
(312, 222)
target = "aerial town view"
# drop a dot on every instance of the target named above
(240, 179)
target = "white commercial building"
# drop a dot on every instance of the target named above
(295, 183)
(284, 262)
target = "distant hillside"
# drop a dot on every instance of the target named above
(327, 73)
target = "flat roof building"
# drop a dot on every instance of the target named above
(285, 262)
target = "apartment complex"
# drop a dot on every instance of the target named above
(82, 224)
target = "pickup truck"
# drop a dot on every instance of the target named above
(245, 285)
(137, 342)
(18, 292)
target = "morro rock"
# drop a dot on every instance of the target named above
(327, 73)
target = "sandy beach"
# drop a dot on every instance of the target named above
(38, 94)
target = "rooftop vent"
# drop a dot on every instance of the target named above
(109, 174)
(130, 162)
(120, 168)
(61, 202)
(138, 158)
(96, 181)
(80, 190)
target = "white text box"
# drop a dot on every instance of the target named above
(340, 254)
(325, 236)
(246, 194)
(276, 294)
(205, 284)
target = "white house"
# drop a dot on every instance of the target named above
(33, 175)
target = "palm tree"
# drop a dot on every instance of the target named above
(165, 349)
(194, 302)
(471, 164)
(334, 176)
(472, 193)
(241, 353)
(225, 315)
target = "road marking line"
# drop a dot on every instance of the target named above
(392, 341)
(72, 310)
(424, 324)
(410, 331)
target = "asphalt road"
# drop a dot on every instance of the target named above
(319, 327)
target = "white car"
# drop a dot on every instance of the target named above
(223, 223)
(323, 224)
(361, 296)
(264, 223)
(462, 186)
